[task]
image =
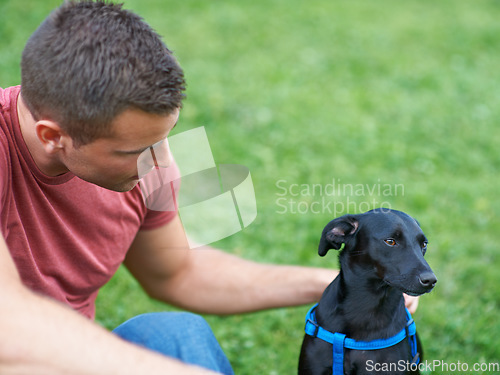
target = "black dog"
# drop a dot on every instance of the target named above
(382, 258)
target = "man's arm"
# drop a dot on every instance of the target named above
(211, 281)
(41, 336)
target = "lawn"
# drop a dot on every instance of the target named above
(338, 107)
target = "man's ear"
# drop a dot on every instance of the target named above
(337, 232)
(50, 135)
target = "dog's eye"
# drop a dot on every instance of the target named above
(390, 241)
(424, 246)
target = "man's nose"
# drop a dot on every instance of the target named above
(160, 153)
(156, 156)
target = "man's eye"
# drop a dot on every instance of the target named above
(138, 152)
(390, 242)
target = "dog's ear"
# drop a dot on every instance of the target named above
(337, 232)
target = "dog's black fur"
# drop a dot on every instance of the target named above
(382, 258)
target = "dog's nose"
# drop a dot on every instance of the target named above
(427, 280)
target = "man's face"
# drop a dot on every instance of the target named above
(111, 162)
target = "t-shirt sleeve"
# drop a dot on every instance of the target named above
(4, 168)
(156, 219)
(161, 200)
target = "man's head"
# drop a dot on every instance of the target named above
(89, 62)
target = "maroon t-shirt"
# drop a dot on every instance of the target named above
(67, 236)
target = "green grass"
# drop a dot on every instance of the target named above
(360, 92)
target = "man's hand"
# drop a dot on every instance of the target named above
(411, 303)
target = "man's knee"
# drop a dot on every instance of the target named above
(181, 335)
(157, 329)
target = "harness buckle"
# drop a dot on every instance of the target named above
(316, 327)
(416, 359)
(407, 328)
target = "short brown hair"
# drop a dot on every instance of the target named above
(91, 60)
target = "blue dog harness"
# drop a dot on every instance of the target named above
(340, 341)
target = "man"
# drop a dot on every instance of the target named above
(99, 88)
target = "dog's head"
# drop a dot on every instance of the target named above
(383, 243)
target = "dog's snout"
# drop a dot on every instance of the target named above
(427, 280)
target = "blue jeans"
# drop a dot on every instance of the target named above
(184, 336)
